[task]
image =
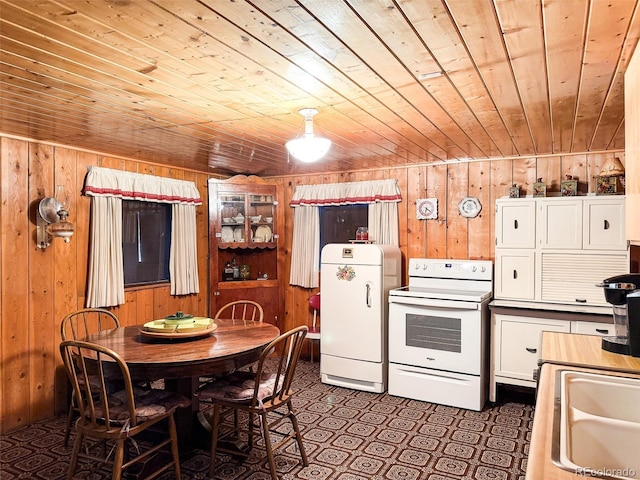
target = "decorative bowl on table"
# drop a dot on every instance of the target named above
(179, 325)
(179, 318)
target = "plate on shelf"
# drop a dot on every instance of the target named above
(226, 234)
(264, 231)
(238, 234)
(200, 326)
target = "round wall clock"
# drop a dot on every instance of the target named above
(469, 207)
(427, 208)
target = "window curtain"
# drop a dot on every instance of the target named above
(105, 283)
(105, 280)
(183, 258)
(305, 251)
(383, 222)
(381, 195)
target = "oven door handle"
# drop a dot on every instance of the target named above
(418, 372)
(435, 304)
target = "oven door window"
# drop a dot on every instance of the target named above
(434, 332)
(441, 338)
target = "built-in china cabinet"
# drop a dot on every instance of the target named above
(244, 244)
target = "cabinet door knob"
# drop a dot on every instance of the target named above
(581, 300)
(604, 331)
(531, 350)
(515, 274)
(606, 224)
(515, 224)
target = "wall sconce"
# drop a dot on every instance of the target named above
(309, 147)
(52, 219)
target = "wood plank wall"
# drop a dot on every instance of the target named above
(450, 235)
(38, 287)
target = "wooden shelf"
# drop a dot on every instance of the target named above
(234, 284)
(250, 245)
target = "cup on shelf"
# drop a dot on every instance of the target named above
(258, 239)
(268, 219)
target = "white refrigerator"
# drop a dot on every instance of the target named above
(355, 280)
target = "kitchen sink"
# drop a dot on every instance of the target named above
(597, 425)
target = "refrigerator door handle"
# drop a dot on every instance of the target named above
(368, 285)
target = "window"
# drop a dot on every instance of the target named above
(146, 241)
(338, 224)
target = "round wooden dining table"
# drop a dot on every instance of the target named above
(181, 361)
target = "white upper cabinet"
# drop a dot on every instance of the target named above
(604, 224)
(556, 249)
(561, 223)
(515, 274)
(516, 223)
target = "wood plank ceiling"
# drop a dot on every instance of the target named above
(215, 85)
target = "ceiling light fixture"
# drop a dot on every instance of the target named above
(309, 147)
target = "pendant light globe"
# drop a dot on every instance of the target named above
(308, 148)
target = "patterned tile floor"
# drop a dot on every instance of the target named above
(348, 435)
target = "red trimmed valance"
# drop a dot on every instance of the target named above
(105, 182)
(333, 194)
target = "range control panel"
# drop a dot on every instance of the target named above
(456, 269)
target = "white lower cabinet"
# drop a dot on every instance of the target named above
(592, 328)
(516, 342)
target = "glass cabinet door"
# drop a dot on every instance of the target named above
(232, 216)
(261, 213)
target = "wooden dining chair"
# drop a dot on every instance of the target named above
(241, 310)
(79, 325)
(82, 323)
(245, 310)
(113, 418)
(266, 391)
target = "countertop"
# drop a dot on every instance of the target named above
(539, 463)
(603, 310)
(583, 351)
(562, 351)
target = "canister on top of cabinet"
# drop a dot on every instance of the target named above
(569, 187)
(539, 188)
